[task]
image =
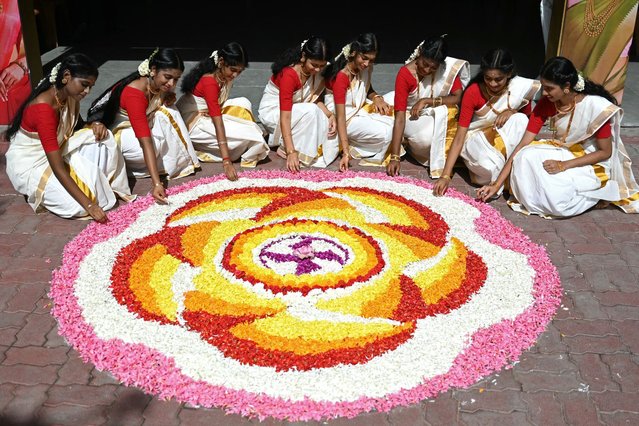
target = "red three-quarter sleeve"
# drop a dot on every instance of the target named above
(288, 81)
(209, 89)
(135, 104)
(42, 119)
(405, 83)
(340, 87)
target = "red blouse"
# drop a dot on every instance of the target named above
(135, 103)
(474, 100)
(42, 119)
(546, 109)
(288, 82)
(209, 89)
(339, 85)
(405, 83)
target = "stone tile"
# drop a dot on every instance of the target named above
(622, 312)
(557, 363)
(24, 408)
(579, 409)
(206, 417)
(366, 419)
(73, 415)
(585, 328)
(128, 407)
(489, 400)
(99, 378)
(54, 339)
(36, 355)
(482, 418)
(35, 331)
(408, 416)
(616, 401)
(595, 373)
(6, 294)
(543, 408)
(614, 298)
(592, 344)
(27, 297)
(161, 412)
(588, 305)
(13, 319)
(6, 395)
(82, 395)
(619, 419)
(28, 375)
(74, 371)
(623, 370)
(442, 410)
(542, 381)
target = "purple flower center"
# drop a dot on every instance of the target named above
(308, 253)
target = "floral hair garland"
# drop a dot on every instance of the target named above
(216, 58)
(581, 83)
(54, 73)
(303, 44)
(346, 51)
(143, 68)
(415, 53)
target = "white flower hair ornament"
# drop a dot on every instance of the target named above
(215, 57)
(143, 68)
(346, 51)
(54, 73)
(302, 44)
(415, 53)
(581, 83)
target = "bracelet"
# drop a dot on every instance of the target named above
(225, 162)
(377, 96)
(447, 177)
(291, 153)
(560, 165)
(89, 206)
(222, 142)
(25, 70)
(395, 157)
(159, 184)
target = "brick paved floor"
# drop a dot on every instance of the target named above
(584, 369)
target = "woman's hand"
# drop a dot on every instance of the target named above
(554, 166)
(229, 170)
(159, 193)
(416, 110)
(503, 117)
(441, 186)
(332, 126)
(169, 98)
(393, 168)
(381, 106)
(487, 192)
(293, 162)
(11, 75)
(344, 163)
(96, 212)
(99, 131)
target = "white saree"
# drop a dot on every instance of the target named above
(429, 137)
(309, 124)
(369, 133)
(486, 148)
(97, 167)
(577, 189)
(174, 151)
(243, 135)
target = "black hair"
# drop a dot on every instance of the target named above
(435, 48)
(560, 71)
(78, 65)
(364, 43)
(313, 48)
(233, 54)
(495, 59)
(105, 107)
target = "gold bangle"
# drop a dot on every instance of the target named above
(225, 162)
(222, 142)
(376, 96)
(560, 165)
(395, 157)
(159, 184)
(291, 153)
(447, 177)
(89, 206)
(25, 70)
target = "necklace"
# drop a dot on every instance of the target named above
(491, 102)
(57, 100)
(594, 24)
(553, 121)
(432, 84)
(150, 89)
(355, 81)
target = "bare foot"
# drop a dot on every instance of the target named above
(602, 204)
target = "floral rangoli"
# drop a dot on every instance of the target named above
(307, 296)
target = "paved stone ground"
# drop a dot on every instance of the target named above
(584, 369)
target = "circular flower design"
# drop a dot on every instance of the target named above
(303, 296)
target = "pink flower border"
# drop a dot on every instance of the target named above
(489, 349)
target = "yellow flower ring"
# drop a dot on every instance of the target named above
(305, 296)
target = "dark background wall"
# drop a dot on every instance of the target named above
(120, 29)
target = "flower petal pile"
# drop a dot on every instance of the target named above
(307, 296)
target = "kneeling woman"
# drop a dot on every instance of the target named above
(494, 113)
(364, 122)
(221, 129)
(292, 110)
(153, 136)
(585, 162)
(59, 164)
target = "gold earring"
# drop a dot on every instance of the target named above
(152, 74)
(566, 91)
(64, 81)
